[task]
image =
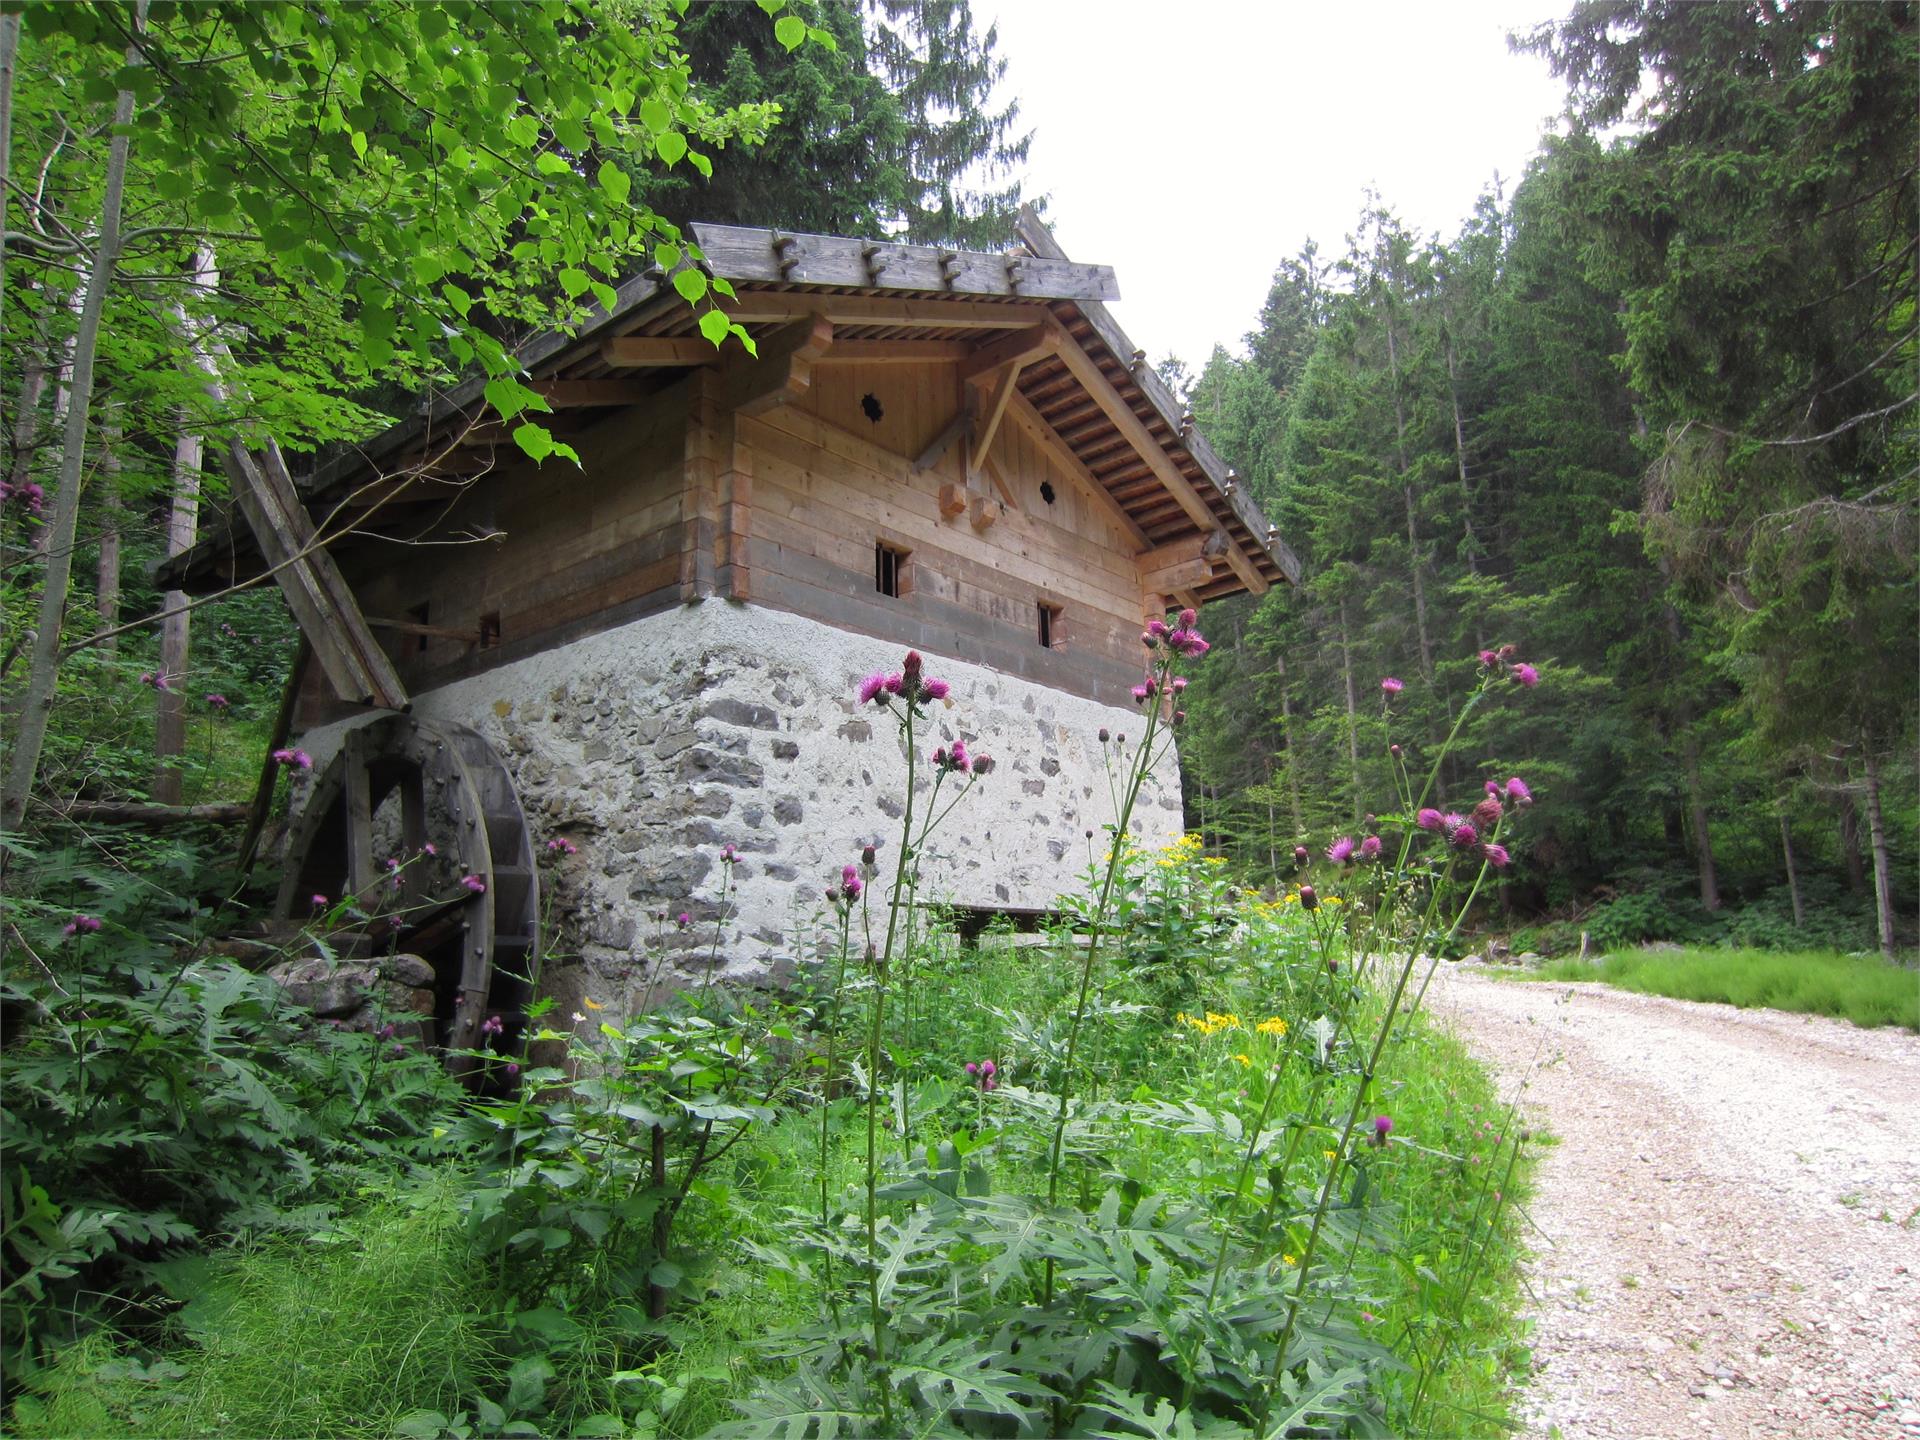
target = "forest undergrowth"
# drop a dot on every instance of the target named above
(1191, 1163)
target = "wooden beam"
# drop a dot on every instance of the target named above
(744, 253)
(1039, 239)
(1176, 575)
(1020, 348)
(782, 371)
(896, 352)
(432, 632)
(636, 352)
(1020, 410)
(1094, 380)
(756, 307)
(941, 443)
(989, 416)
(573, 394)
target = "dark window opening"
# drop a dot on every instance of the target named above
(889, 570)
(870, 407)
(1046, 491)
(1049, 625)
(418, 616)
(490, 631)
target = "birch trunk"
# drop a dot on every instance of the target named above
(37, 703)
(1877, 836)
(170, 715)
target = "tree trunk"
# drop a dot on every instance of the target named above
(1413, 529)
(1293, 767)
(1877, 834)
(1353, 711)
(1697, 814)
(1793, 875)
(1472, 545)
(1850, 845)
(37, 703)
(106, 588)
(9, 53)
(170, 715)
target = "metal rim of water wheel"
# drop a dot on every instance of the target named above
(483, 945)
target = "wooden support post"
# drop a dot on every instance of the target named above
(316, 592)
(782, 371)
(734, 570)
(359, 810)
(998, 389)
(699, 495)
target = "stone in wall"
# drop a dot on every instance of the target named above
(652, 745)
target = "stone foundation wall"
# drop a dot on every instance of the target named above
(651, 745)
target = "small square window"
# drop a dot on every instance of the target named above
(490, 631)
(1050, 635)
(889, 570)
(418, 616)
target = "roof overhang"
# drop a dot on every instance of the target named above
(1080, 388)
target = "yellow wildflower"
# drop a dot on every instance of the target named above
(1272, 1025)
(591, 1003)
(1329, 1154)
(1289, 1259)
(1243, 1060)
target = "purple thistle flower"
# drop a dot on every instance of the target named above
(988, 1068)
(560, 845)
(1526, 675)
(1463, 836)
(1148, 640)
(1391, 686)
(1487, 813)
(1430, 819)
(217, 702)
(939, 757)
(893, 684)
(1189, 617)
(1309, 900)
(1143, 692)
(513, 1069)
(492, 1025)
(428, 849)
(1382, 1127)
(683, 920)
(1157, 630)
(1488, 659)
(729, 853)
(1177, 684)
(319, 902)
(80, 925)
(958, 757)
(156, 678)
(870, 853)
(850, 880)
(983, 764)
(911, 667)
(474, 884)
(971, 1068)
(988, 1083)
(1341, 851)
(935, 689)
(871, 687)
(1370, 848)
(386, 1031)
(1518, 793)
(1496, 856)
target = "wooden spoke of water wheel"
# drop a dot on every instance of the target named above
(482, 943)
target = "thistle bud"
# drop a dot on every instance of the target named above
(1308, 899)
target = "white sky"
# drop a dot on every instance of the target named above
(1195, 145)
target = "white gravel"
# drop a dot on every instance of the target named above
(1728, 1235)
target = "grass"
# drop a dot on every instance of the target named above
(1864, 989)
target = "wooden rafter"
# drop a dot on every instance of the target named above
(636, 352)
(1023, 347)
(575, 394)
(782, 371)
(769, 307)
(1094, 380)
(1020, 410)
(997, 390)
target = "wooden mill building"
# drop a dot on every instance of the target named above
(958, 452)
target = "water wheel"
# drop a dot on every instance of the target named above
(433, 799)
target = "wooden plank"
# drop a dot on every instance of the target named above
(1130, 425)
(991, 412)
(941, 443)
(572, 394)
(1038, 238)
(1178, 575)
(699, 503)
(749, 254)
(732, 571)
(896, 352)
(792, 488)
(359, 812)
(1023, 347)
(1020, 410)
(781, 371)
(637, 352)
(754, 307)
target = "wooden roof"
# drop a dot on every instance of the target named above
(1085, 392)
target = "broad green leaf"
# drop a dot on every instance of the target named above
(671, 146)
(691, 284)
(790, 31)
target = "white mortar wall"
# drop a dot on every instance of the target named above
(651, 745)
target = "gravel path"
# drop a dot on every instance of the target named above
(1729, 1226)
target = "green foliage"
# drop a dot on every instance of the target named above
(1862, 988)
(156, 1097)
